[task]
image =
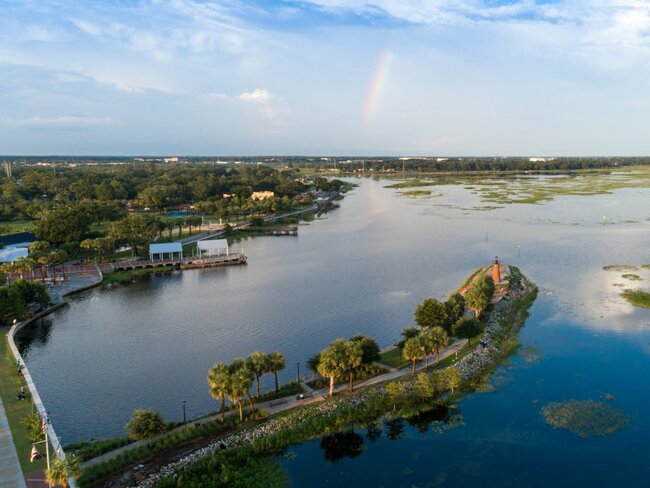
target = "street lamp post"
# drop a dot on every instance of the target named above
(184, 417)
(298, 376)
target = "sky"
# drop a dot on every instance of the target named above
(325, 77)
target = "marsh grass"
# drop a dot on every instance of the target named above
(509, 188)
(619, 267)
(585, 418)
(632, 277)
(638, 298)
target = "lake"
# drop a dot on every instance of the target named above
(362, 269)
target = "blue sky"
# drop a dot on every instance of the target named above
(325, 77)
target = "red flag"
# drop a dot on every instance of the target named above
(35, 454)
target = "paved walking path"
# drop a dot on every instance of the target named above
(11, 476)
(281, 404)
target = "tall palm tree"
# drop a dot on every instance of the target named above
(258, 363)
(438, 338)
(354, 358)
(413, 350)
(219, 382)
(333, 362)
(276, 362)
(42, 260)
(240, 384)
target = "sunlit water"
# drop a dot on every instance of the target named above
(363, 269)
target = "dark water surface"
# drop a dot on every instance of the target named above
(363, 269)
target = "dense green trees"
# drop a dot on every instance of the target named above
(467, 328)
(480, 293)
(455, 306)
(64, 224)
(15, 298)
(145, 424)
(431, 313)
(133, 230)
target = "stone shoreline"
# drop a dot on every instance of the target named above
(476, 363)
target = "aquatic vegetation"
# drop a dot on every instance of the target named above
(619, 267)
(416, 193)
(440, 427)
(504, 188)
(585, 418)
(530, 354)
(632, 277)
(638, 298)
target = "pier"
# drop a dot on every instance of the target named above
(188, 262)
(286, 230)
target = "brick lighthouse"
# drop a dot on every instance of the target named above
(496, 271)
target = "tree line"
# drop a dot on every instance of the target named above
(16, 298)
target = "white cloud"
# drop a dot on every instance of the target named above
(257, 96)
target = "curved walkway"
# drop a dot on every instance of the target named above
(11, 475)
(287, 403)
(8, 464)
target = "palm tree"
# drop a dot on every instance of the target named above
(425, 339)
(333, 362)
(258, 363)
(276, 362)
(240, 383)
(438, 338)
(42, 260)
(354, 358)
(219, 382)
(413, 350)
(89, 245)
(62, 469)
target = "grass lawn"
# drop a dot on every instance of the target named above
(394, 359)
(129, 274)
(10, 383)
(16, 226)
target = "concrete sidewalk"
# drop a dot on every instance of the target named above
(11, 476)
(287, 403)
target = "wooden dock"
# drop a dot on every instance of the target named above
(189, 262)
(285, 230)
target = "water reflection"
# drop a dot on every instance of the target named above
(37, 334)
(439, 414)
(394, 429)
(373, 431)
(362, 270)
(337, 446)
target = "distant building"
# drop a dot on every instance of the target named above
(170, 160)
(262, 195)
(540, 160)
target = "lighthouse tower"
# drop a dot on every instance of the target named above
(496, 271)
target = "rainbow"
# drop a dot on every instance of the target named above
(376, 85)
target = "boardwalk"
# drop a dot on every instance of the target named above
(11, 476)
